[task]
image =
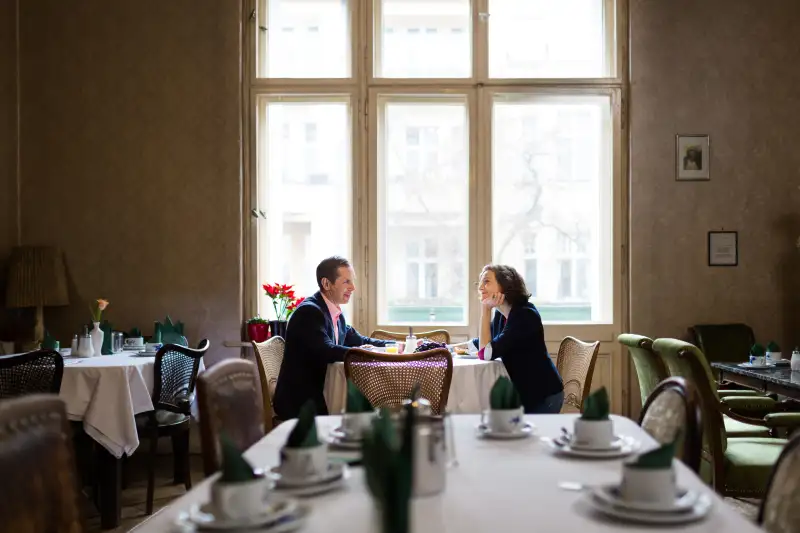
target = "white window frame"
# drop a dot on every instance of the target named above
(363, 89)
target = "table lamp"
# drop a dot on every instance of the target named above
(36, 278)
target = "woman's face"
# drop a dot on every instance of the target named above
(487, 285)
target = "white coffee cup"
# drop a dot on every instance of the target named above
(152, 347)
(504, 420)
(240, 500)
(651, 485)
(304, 462)
(775, 356)
(355, 424)
(593, 433)
(134, 342)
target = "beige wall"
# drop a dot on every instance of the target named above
(727, 68)
(130, 158)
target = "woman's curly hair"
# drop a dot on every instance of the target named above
(511, 283)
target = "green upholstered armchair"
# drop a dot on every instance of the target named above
(736, 466)
(724, 343)
(780, 509)
(650, 369)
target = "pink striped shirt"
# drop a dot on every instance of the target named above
(335, 312)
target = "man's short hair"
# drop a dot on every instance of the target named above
(329, 269)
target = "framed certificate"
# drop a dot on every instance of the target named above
(723, 248)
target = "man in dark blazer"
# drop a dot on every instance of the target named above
(316, 336)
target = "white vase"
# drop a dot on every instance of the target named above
(97, 339)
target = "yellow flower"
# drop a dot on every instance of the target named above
(102, 304)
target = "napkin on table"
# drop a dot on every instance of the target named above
(356, 401)
(596, 406)
(504, 395)
(304, 433)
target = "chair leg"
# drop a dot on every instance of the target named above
(151, 472)
(181, 459)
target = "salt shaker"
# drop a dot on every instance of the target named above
(796, 360)
(411, 342)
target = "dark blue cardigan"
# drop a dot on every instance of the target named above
(310, 347)
(519, 342)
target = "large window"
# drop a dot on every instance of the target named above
(426, 138)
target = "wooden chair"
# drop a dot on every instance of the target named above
(37, 372)
(780, 509)
(650, 369)
(387, 380)
(269, 357)
(230, 403)
(672, 407)
(575, 364)
(437, 335)
(175, 371)
(41, 490)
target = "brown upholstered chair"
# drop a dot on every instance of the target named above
(780, 509)
(269, 357)
(438, 335)
(575, 363)
(175, 372)
(387, 380)
(41, 490)
(37, 372)
(229, 403)
(674, 406)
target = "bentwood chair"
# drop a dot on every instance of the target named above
(575, 364)
(37, 372)
(780, 509)
(673, 410)
(230, 403)
(388, 380)
(437, 335)
(269, 357)
(41, 491)
(175, 372)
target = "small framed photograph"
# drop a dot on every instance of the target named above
(693, 157)
(723, 248)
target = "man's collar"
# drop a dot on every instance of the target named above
(332, 307)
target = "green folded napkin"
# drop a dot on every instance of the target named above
(172, 333)
(596, 406)
(304, 433)
(235, 467)
(389, 469)
(107, 329)
(356, 401)
(49, 342)
(504, 395)
(156, 333)
(135, 333)
(773, 347)
(658, 458)
(757, 350)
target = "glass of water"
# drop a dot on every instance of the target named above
(116, 341)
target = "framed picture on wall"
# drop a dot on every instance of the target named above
(692, 157)
(723, 248)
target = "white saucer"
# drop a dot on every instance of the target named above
(756, 367)
(344, 444)
(336, 471)
(339, 434)
(684, 500)
(283, 511)
(616, 444)
(142, 354)
(312, 490)
(526, 431)
(702, 506)
(629, 446)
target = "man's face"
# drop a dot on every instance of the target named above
(340, 291)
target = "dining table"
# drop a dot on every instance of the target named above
(513, 486)
(778, 379)
(469, 389)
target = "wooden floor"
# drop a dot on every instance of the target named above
(134, 496)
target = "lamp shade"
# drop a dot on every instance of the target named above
(36, 278)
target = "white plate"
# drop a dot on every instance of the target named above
(142, 354)
(204, 517)
(630, 445)
(616, 444)
(698, 511)
(344, 444)
(526, 431)
(335, 472)
(755, 367)
(684, 500)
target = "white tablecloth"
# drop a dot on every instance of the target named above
(499, 486)
(106, 392)
(469, 389)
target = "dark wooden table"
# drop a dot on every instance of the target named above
(778, 380)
